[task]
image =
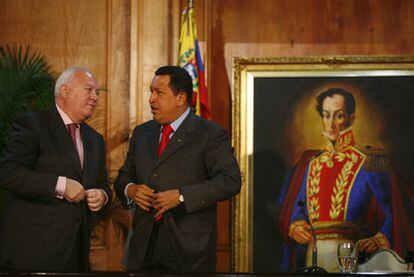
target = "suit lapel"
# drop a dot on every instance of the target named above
(180, 138)
(64, 141)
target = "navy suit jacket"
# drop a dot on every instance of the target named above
(38, 232)
(198, 161)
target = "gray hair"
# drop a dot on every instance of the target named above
(67, 75)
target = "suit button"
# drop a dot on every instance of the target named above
(203, 202)
(77, 219)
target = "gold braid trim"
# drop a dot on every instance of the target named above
(343, 142)
(339, 190)
(313, 189)
(331, 236)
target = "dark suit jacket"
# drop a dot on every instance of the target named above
(37, 230)
(200, 162)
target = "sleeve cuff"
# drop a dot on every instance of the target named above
(106, 197)
(129, 201)
(60, 187)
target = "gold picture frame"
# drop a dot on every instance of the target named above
(247, 71)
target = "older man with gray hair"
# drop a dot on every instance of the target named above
(53, 172)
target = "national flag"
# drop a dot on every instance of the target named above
(190, 59)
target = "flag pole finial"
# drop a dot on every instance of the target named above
(190, 4)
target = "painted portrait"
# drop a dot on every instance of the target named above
(327, 144)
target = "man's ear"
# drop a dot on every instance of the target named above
(64, 91)
(182, 98)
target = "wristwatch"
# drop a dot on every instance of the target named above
(181, 198)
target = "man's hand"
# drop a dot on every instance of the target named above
(74, 191)
(142, 195)
(299, 231)
(368, 245)
(166, 200)
(96, 199)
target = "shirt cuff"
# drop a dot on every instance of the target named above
(60, 187)
(129, 201)
(106, 197)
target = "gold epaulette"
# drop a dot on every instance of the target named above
(376, 159)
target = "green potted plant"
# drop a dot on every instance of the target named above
(26, 84)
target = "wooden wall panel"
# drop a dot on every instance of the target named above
(294, 28)
(66, 34)
(117, 125)
(157, 41)
(118, 71)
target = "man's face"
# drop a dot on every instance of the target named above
(334, 116)
(79, 96)
(166, 106)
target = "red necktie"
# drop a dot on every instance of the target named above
(166, 132)
(72, 132)
(165, 138)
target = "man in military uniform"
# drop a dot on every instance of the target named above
(338, 186)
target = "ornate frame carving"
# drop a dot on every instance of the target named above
(245, 71)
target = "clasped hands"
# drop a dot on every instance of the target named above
(300, 231)
(75, 193)
(146, 198)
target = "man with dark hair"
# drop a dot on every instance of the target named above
(348, 98)
(180, 80)
(337, 186)
(54, 176)
(177, 168)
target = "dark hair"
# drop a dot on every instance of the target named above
(349, 99)
(180, 80)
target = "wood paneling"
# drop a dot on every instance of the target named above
(157, 44)
(118, 66)
(294, 28)
(117, 125)
(66, 34)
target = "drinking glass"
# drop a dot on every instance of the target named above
(347, 257)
